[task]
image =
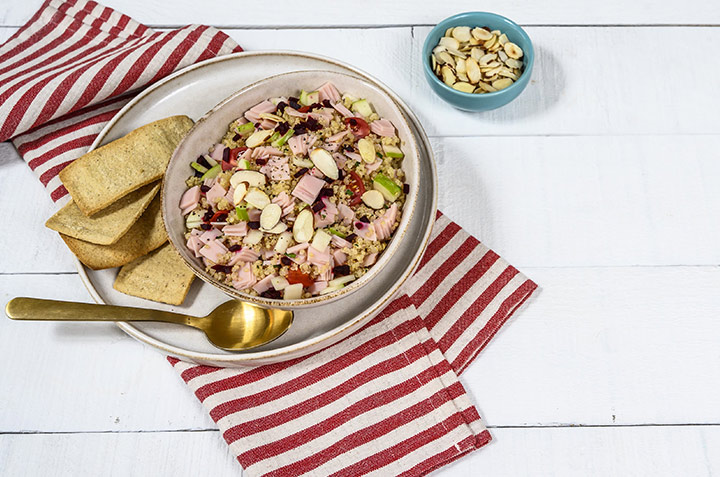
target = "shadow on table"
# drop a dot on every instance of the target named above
(8, 154)
(88, 332)
(544, 91)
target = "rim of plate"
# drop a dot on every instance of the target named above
(248, 358)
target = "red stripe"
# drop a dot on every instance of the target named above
(61, 132)
(16, 114)
(376, 431)
(440, 241)
(411, 444)
(507, 309)
(58, 193)
(75, 143)
(471, 314)
(459, 289)
(311, 376)
(52, 172)
(352, 411)
(177, 55)
(172, 360)
(96, 82)
(196, 371)
(134, 71)
(36, 36)
(308, 378)
(442, 272)
(213, 47)
(448, 455)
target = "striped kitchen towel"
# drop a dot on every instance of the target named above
(386, 400)
(75, 64)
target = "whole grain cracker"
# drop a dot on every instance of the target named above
(147, 234)
(107, 226)
(110, 172)
(159, 276)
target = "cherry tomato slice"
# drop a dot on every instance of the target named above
(232, 161)
(296, 276)
(218, 214)
(304, 109)
(356, 186)
(358, 126)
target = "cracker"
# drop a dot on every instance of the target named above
(107, 226)
(159, 276)
(110, 172)
(147, 234)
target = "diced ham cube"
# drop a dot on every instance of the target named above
(213, 251)
(210, 235)
(264, 284)
(329, 91)
(194, 244)
(384, 225)
(236, 230)
(190, 199)
(339, 257)
(340, 242)
(382, 127)
(317, 287)
(346, 214)
(340, 108)
(297, 248)
(370, 259)
(215, 193)
(308, 188)
(245, 278)
(365, 230)
(318, 258)
(286, 203)
(254, 214)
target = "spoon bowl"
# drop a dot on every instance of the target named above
(233, 326)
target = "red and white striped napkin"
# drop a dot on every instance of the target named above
(386, 400)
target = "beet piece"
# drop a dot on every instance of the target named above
(281, 106)
(318, 206)
(341, 270)
(227, 269)
(301, 172)
(351, 237)
(254, 225)
(286, 261)
(271, 293)
(237, 137)
(365, 219)
(406, 188)
(327, 103)
(326, 192)
(234, 248)
(205, 226)
(260, 162)
(282, 128)
(226, 154)
(204, 188)
(203, 162)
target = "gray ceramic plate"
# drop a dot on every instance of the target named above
(194, 91)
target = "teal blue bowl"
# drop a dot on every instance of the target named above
(486, 101)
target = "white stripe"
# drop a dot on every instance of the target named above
(25, 34)
(302, 421)
(66, 156)
(360, 423)
(22, 139)
(60, 140)
(408, 461)
(478, 324)
(320, 360)
(53, 184)
(182, 366)
(395, 436)
(422, 276)
(461, 305)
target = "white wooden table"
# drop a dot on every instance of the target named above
(601, 182)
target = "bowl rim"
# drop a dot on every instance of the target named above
(355, 285)
(444, 24)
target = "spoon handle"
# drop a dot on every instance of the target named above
(22, 308)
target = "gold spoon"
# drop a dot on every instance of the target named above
(233, 326)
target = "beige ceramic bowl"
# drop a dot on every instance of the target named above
(212, 127)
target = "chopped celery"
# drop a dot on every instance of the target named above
(274, 137)
(362, 107)
(392, 151)
(246, 128)
(389, 189)
(212, 172)
(242, 213)
(336, 232)
(198, 167)
(243, 164)
(281, 141)
(210, 160)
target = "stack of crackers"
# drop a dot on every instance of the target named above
(114, 218)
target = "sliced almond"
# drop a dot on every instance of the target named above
(303, 226)
(446, 58)
(473, 70)
(456, 53)
(486, 87)
(513, 63)
(448, 76)
(502, 83)
(485, 59)
(239, 193)
(279, 283)
(257, 198)
(293, 292)
(448, 42)
(433, 62)
(477, 53)
(503, 56)
(253, 178)
(324, 161)
(513, 51)
(279, 228)
(321, 241)
(495, 32)
(462, 77)
(367, 149)
(283, 242)
(502, 39)
(464, 87)
(489, 44)
(270, 216)
(448, 32)
(258, 137)
(461, 33)
(507, 73)
(253, 237)
(373, 199)
(460, 66)
(481, 34)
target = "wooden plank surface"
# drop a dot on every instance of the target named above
(404, 12)
(595, 347)
(591, 452)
